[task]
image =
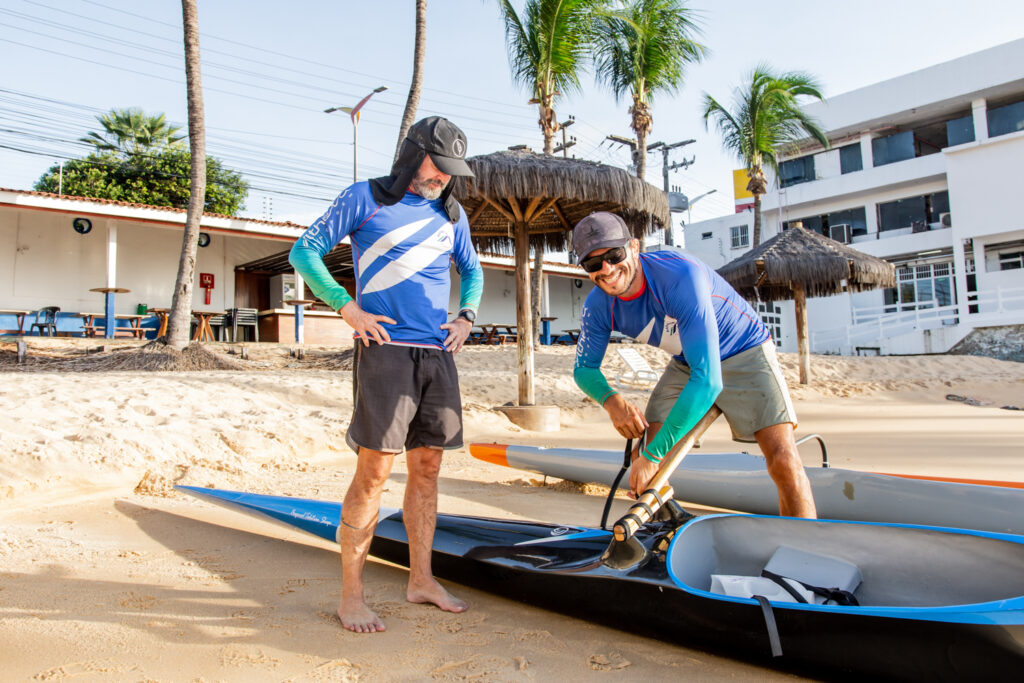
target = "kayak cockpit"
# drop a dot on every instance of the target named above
(899, 566)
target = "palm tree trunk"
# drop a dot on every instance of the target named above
(412, 102)
(756, 237)
(548, 127)
(180, 316)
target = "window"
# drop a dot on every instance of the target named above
(961, 130)
(1006, 119)
(893, 148)
(1012, 260)
(1004, 256)
(921, 286)
(739, 236)
(796, 171)
(705, 235)
(850, 159)
(917, 213)
(856, 218)
(771, 316)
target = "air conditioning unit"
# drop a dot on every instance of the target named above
(945, 220)
(841, 232)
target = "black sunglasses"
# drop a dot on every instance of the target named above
(612, 256)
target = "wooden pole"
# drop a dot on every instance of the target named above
(524, 315)
(803, 349)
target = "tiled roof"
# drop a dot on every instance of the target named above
(170, 209)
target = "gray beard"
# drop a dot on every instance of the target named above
(426, 191)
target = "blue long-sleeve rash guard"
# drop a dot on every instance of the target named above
(401, 254)
(685, 308)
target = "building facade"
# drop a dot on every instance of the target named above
(920, 172)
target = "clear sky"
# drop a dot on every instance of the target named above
(270, 68)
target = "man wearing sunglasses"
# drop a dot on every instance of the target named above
(721, 354)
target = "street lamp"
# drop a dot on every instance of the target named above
(353, 113)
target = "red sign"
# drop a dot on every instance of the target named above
(206, 280)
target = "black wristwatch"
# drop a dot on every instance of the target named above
(468, 314)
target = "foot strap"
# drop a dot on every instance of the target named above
(770, 625)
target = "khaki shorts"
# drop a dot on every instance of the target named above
(754, 392)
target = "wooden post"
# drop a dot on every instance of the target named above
(524, 314)
(803, 349)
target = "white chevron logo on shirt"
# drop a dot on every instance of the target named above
(413, 260)
(389, 241)
(645, 334)
(669, 341)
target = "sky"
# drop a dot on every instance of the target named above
(270, 68)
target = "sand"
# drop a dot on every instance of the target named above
(107, 573)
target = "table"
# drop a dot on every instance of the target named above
(161, 317)
(573, 334)
(300, 305)
(20, 315)
(133, 328)
(545, 330)
(203, 330)
(493, 335)
(108, 307)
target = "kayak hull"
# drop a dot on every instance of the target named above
(740, 481)
(559, 568)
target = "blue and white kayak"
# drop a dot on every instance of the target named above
(931, 603)
(740, 481)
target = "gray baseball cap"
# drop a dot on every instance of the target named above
(599, 230)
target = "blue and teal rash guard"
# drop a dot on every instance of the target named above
(401, 254)
(685, 308)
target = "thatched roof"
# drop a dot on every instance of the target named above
(552, 194)
(823, 266)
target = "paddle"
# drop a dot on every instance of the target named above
(625, 551)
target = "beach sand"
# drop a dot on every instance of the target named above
(108, 574)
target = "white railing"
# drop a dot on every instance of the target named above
(873, 324)
(991, 301)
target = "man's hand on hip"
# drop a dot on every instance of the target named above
(367, 325)
(458, 332)
(627, 419)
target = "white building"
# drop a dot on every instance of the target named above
(922, 173)
(57, 250)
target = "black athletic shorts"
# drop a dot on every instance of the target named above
(405, 397)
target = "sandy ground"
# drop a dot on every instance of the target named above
(107, 574)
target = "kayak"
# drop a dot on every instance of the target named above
(740, 481)
(915, 602)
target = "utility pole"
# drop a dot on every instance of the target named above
(564, 147)
(665, 166)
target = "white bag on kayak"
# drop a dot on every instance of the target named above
(749, 586)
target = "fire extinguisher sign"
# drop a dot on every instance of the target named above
(206, 282)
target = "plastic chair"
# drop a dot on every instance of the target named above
(218, 324)
(638, 373)
(46, 319)
(244, 317)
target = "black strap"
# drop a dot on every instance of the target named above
(836, 595)
(615, 485)
(770, 625)
(657, 497)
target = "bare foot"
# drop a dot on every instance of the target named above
(356, 616)
(434, 593)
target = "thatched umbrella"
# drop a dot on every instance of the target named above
(798, 263)
(519, 198)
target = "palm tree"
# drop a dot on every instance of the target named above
(642, 49)
(130, 131)
(412, 102)
(180, 316)
(547, 47)
(766, 117)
